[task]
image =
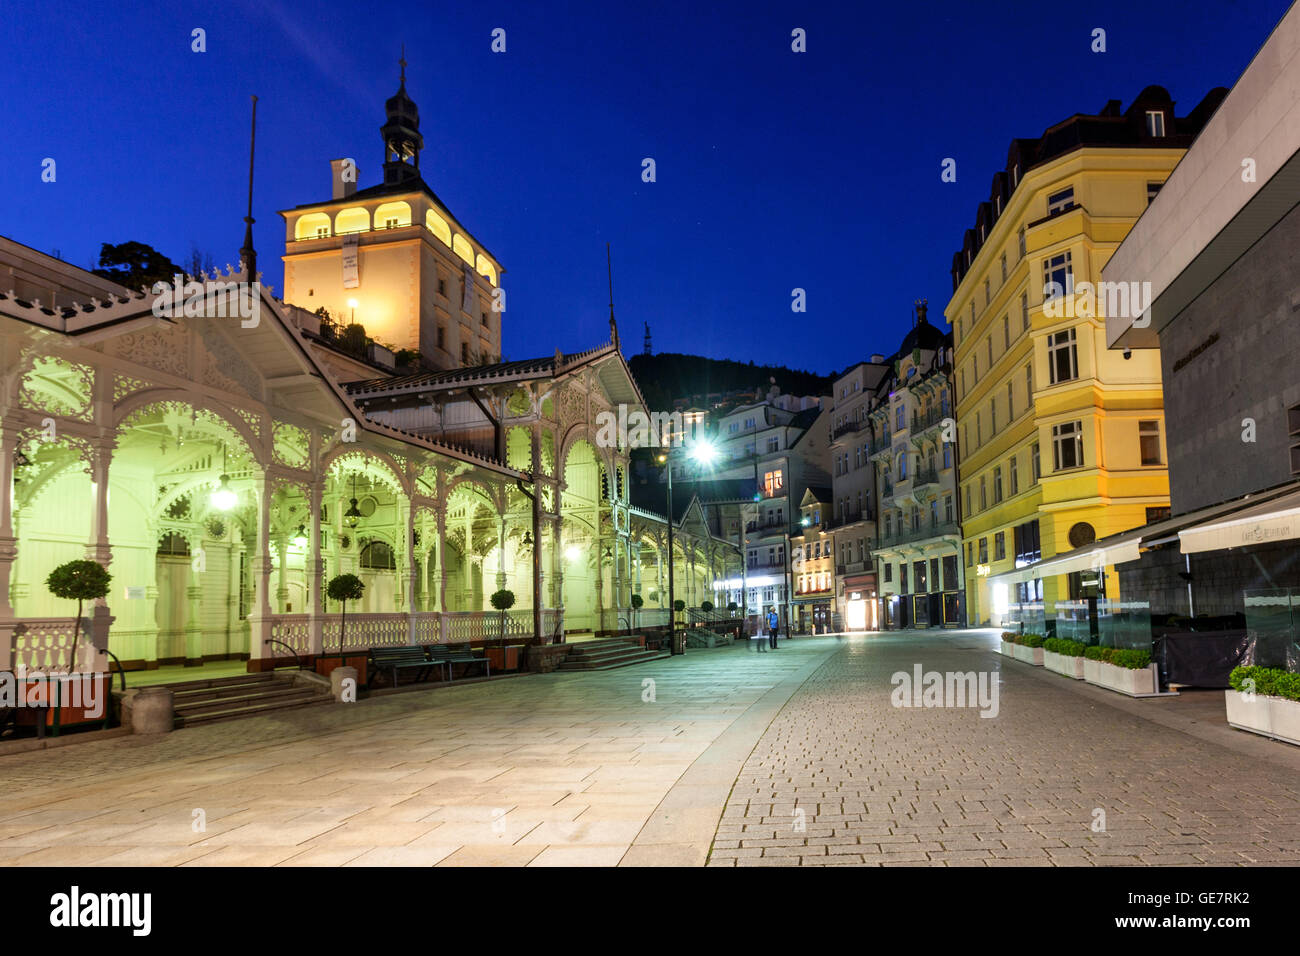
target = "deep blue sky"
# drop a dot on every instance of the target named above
(775, 170)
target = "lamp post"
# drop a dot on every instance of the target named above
(702, 452)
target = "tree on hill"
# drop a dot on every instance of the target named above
(671, 375)
(135, 264)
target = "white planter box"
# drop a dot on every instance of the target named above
(1125, 680)
(1063, 664)
(1274, 717)
(1008, 649)
(1030, 655)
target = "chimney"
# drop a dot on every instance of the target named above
(343, 188)
(877, 359)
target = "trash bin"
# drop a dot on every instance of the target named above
(679, 642)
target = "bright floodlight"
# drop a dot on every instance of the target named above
(704, 452)
(573, 552)
(352, 303)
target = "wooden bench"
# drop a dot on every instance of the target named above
(442, 654)
(394, 659)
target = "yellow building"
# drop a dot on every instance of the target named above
(1061, 441)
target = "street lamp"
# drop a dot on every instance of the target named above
(702, 452)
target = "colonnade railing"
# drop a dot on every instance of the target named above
(44, 645)
(395, 629)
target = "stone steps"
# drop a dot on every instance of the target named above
(608, 654)
(228, 698)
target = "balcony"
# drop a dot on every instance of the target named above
(925, 475)
(846, 429)
(923, 532)
(850, 517)
(774, 490)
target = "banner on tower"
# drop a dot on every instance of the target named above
(351, 257)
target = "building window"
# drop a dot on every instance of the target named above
(1067, 446)
(482, 318)
(464, 352)
(1029, 384)
(984, 550)
(997, 484)
(947, 455)
(1011, 402)
(1024, 311)
(1014, 475)
(970, 554)
(979, 430)
(987, 296)
(984, 493)
(1062, 357)
(773, 483)
(968, 507)
(889, 572)
(900, 417)
(442, 338)
(774, 444)
(1000, 546)
(1035, 465)
(1058, 276)
(1155, 123)
(1021, 241)
(1006, 333)
(1004, 267)
(1063, 201)
(1152, 189)
(947, 509)
(1159, 513)
(988, 344)
(902, 466)
(442, 288)
(1149, 441)
(993, 415)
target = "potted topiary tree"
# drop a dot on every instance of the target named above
(637, 603)
(706, 606)
(344, 588)
(503, 601)
(84, 580)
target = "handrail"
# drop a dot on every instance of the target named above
(119, 669)
(296, 659)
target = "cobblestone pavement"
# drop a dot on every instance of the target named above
(556, 769)
(843, 777)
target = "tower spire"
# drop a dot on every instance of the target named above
(646, 347)
(613, 326)
(248, 255)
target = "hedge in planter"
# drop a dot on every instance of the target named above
(1065, 657)
(1268, 682)
(1119, 656)
(1273, 709)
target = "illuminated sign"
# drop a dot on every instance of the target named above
(982, 570)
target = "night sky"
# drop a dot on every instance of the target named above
(775, 170)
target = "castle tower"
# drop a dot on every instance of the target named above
(394, 259)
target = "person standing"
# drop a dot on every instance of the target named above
(772, 623)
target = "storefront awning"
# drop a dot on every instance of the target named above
(1275, 520)
(1271, 515)
(1116, 550)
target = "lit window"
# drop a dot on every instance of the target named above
(1155, 123)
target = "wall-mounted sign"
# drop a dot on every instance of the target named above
(135, 592)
